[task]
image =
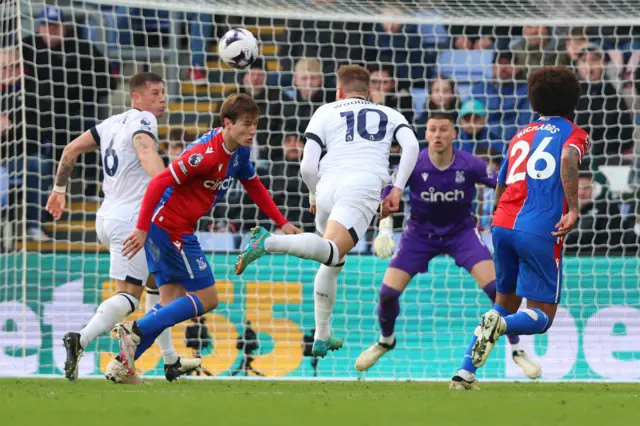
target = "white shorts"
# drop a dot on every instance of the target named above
(111, 233)
(351, 201)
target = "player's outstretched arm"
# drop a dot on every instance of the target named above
(148, 155)
(569, 173)
(260, 195)
(86, 142)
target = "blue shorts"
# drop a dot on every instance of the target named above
(528, 264)
(177, 260)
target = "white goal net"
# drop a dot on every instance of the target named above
(64, 70)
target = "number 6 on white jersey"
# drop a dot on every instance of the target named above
(521, 149)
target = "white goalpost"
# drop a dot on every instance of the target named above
(425, 56)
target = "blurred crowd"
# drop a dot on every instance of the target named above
(476, 73)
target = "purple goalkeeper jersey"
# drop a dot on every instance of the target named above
(442, 199)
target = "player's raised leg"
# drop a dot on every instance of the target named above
(482, 273)
(470, 252)
(305, 246)
(539, 281)
(506, 272)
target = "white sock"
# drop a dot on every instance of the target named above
(324, 297)
(387, 340)
(153, 298)
(517, 347)
(305, 246)
(469, 377)
(109, 313)
(169, 354)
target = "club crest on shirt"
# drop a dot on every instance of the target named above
(489, 171)
(236, 162)
(201, 263)
(425, 176)
(195, 159)
(460, 176)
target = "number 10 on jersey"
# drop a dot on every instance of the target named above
(361, 123)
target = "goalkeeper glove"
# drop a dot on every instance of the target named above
(383, 244)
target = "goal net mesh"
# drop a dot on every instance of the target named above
(64, 71)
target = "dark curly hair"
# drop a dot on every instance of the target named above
(554, 91)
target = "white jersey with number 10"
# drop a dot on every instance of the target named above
(357, 136)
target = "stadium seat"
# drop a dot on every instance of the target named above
(434, 34)
(465, 65)
(420, 96)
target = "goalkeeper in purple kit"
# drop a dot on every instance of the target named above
(441, 222)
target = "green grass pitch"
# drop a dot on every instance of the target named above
(287, 403)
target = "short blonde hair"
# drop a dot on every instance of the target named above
(310, 65)
(354, 79)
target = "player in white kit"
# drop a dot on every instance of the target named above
(344, 188)
(128, 146)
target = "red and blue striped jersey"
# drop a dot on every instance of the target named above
(534, 200)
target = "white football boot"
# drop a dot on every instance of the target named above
(531, 368)
(372, 354)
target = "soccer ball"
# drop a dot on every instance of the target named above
(238, 48)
